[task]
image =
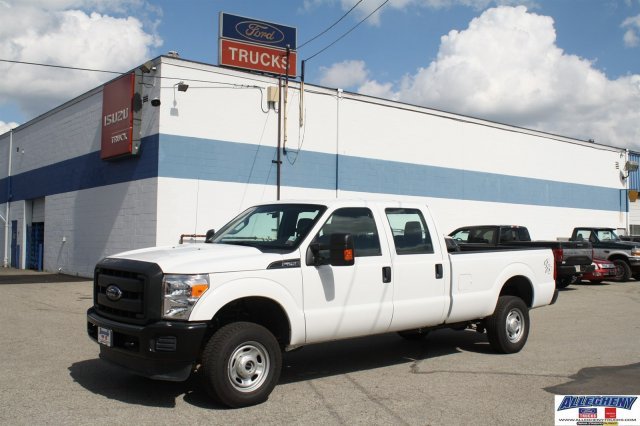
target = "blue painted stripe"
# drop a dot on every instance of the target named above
(388, 177)
(193, 158)
(83, 172)
(196, 158)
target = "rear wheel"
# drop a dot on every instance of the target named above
(508, 327)
(623, 270)
(241, 364)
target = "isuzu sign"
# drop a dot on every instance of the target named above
(118, 136)
(259, 32)
(257, 45)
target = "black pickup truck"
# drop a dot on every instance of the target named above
(573, 258)
(608, 245)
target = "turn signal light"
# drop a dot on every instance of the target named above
(198, 290)
(348, 255)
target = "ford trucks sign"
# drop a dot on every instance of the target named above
(257, 45)
(119, 122)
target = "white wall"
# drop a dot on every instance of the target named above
(361, 127)
(82, 227)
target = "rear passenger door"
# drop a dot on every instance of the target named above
(347, 301)
(420, 274)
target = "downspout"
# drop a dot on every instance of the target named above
(6, 217)
(338, 97)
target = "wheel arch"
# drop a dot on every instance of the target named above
(254, 300)
(519, 286)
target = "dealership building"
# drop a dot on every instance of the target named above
(178, 147)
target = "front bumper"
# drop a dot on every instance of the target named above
(163, 350)
(634, 262)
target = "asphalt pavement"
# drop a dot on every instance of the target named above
(587, 343)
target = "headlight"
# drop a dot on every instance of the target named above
(635, 251)
(181, 292)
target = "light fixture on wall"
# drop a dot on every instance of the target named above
(182, 86)
(629, 166)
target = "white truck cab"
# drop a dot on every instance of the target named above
(288, 274)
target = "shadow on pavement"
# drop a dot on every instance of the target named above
(611, 380)
(312, 362)
(31, 278)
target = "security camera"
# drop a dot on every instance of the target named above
(155, 102)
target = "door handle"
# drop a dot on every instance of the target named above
(439, 271)
(386, 274)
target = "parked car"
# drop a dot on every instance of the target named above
(603, 270)
(572, 258)
(607, 245)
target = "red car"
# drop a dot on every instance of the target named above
(605, 270)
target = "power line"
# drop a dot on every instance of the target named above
(345, 34)
(60, 66)
(333, 25)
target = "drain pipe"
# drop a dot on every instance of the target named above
(6, 217)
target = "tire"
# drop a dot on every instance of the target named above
(241, 364)
(416, 334)
(508, 327)
(563, 282)
(623, 271)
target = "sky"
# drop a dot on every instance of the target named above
(568, 67)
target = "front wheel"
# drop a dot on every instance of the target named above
(508, 327)
(623, 270)
(241, 364)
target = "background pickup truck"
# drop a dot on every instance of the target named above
(573, 258)
(283, 275)
(608, 245)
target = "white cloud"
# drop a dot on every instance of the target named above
(47, 32)
(5, 127)
(631, 37)
(507, 67)
(344, 74)
(379, 90)
(368, 6)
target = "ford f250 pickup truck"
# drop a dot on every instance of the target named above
(608, 245)
(283, 275)
(573, 258)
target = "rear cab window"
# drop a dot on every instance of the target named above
(410, 231)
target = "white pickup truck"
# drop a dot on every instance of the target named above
(288, 274)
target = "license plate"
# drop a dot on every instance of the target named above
(105, 336)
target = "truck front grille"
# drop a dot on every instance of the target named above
(120, 293)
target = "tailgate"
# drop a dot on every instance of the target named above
(576, 253)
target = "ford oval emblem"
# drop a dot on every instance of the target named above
(113, 293)
(259, 32)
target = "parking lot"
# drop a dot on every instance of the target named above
(587, 343)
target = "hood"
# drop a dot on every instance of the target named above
(204, 258)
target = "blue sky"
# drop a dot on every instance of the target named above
(563, 66)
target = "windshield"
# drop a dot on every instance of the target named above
(607, 235)
(275, 226)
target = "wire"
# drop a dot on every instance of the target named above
(61, 66)
(345, 34)
(333, 25)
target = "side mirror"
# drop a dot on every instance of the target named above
(341, 250)
(209, 235)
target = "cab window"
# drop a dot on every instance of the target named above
(410, 231)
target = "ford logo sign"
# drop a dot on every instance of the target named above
(113, 293)
(259, 32)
